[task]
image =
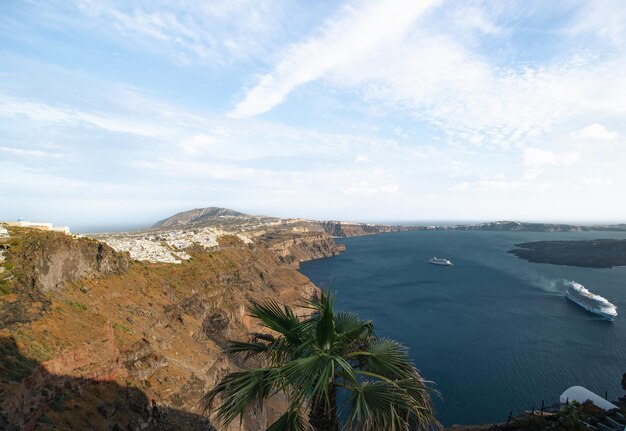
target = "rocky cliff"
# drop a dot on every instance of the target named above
(47, 260)
(114, 333)
(292, 249)
(42, 262)
(340, 229)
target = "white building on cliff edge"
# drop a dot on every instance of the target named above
(40, 226)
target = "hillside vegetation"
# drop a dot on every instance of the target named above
(88, 336)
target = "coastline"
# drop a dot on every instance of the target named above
(596, 253)
(414, 301)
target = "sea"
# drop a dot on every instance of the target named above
(494, 333)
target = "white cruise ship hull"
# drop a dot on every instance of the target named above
(589, 308)
(440, 261)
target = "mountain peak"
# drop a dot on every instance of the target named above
(197, 215)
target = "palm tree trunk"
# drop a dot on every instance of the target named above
(321, 417)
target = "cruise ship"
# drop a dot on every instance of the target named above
(594, 303)
(440, 261)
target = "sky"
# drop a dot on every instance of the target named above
(118, 113)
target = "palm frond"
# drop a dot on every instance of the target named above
(273, 354)
(322, 320)
(350, 326)
(409, 400)
(374, 406)
(325, 329)
(313, 356)
(239, 390)
(308, 377)
(291, 420)
(321, 303)
(280, 319)
(247, 349)
(387, 358)
(419, 395)
(256, 336)
(347, 372)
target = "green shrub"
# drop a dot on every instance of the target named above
(78, 306)
(45, 419)
(5, 288)
(569, 419)
(122, 328)
(57, 403)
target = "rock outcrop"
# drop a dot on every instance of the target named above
(292, 249)
(42, 262)
(47, 260)
(339, 229)
(25, 401)
(116, 333)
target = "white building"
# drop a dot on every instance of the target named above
(22, 223)
(41, 226)
(580, 394)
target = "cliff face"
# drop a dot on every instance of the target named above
(46, 260)
(292, 249)
(42, 262)
(339, 229)
(115, 334)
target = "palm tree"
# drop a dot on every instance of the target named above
(310, 360)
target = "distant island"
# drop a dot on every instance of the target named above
(516, 226)
(597, 253)
(342, 229)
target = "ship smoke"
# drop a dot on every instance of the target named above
(552, 286)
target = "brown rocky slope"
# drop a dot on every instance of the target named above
(95, 335)
(342, 229)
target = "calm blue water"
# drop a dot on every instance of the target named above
(495, 332)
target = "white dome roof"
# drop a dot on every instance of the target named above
(580, 394)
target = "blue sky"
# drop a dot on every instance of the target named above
(123, 112)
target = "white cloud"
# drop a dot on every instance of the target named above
(605, 19)
(364, 188)
(474, 18)
(460, 187)
(487, 184)
(597, 182)
(191, 169)
(414, 68)
(361, 158)
(185, 31)
(595, 132)
(390, 188)
(22, 152)
(10, 107)
(349, 37)
(472, 113)
(538, 157)
(198, 143)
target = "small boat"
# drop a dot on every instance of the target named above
(440, 261)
